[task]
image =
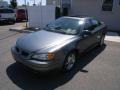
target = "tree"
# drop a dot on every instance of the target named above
(13, 3)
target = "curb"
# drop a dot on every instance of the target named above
(24, 30)
(21, 31)
(116, 31)
(112, 36)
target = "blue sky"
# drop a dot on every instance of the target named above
(20, 2)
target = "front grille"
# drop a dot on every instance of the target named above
(22, 52)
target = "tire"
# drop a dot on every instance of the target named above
(18, 63)
(12, 22)
(101, 43)
(69, 62)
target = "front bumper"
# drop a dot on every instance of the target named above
(6, 19)
(42, 66)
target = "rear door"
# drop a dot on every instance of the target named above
(90, 41)
(97, 30)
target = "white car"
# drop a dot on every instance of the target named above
(7, 15)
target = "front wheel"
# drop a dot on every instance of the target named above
(69, 62)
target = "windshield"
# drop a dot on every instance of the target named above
(21, 11)
(65, 25)
(6, 11)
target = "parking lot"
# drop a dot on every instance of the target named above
(99, 69)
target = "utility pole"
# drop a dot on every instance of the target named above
(26, 12)
(41, 13)
(34, 3)
(61, 9)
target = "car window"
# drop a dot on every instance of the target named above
(91, 24)
(6, 11)
(88, 25)
(95, 23)
(21, 11)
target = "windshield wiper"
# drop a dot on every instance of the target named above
(56, 29)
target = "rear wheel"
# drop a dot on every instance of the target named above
(102, 40)
(12, 21)
(69, 62)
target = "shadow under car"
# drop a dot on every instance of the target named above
(29, 81)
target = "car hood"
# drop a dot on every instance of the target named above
(42, 40)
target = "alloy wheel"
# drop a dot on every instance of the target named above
(70, 61)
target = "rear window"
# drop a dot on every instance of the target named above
(6, 11)
(21, 11)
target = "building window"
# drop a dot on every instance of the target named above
(107, 5)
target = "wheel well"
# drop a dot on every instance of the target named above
(75, 51)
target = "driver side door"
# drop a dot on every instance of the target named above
(87, 40)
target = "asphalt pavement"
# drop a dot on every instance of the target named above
(99, 69)
(4, 30)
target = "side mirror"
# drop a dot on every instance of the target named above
(86, 33)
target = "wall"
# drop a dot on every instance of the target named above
(39, 16)
(93, 8)
(51, 2)
(58, 2)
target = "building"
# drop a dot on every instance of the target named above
(4, 4)
(64, 4)
(53, 2)
(107, 11)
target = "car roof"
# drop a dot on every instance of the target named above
(7, 8)
(81, 17)
(20, 9)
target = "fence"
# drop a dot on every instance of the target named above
(39, 16)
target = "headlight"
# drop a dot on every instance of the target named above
(48, 56)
